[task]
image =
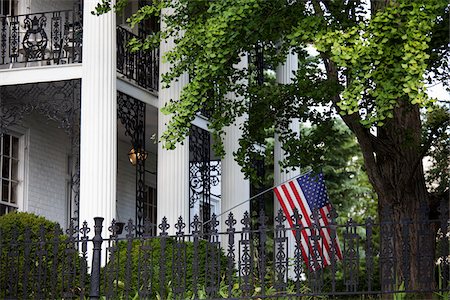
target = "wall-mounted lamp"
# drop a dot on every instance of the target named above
(137, 154)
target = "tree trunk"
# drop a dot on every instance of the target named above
(407, 236)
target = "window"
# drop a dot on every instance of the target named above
(150, 207)
(9, 180)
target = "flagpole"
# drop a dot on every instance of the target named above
(257, 195)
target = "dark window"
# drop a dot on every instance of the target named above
(9, 161)
(150, 207)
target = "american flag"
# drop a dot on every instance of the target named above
(307, 193)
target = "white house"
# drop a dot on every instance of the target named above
(76, 105)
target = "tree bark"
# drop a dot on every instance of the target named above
(407, 236)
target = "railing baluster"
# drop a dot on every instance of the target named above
(369, 253)
(41, 254)
(262, 250)
(245, 256)
(164, 226)
(196, 226)
(3, 39)
(387, 256)
(112, 261)
(406, 252)
(129, 228)
(351, 256)
(334, 247)
(212, 258)
(145, 263)
(231, 230)
(179, 261)
(97, 241)
(140, 66)
(14, 39)
(84, 230)
(280, 252)
(298, 270)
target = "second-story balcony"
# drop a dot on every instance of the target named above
(40, 39)
(140, 67)
(55, 38)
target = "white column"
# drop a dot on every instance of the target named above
(98, 141)
(285, 74)
(173, 165)
(235, 188)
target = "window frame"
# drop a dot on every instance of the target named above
(22, 166)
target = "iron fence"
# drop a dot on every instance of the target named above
(242, 259)
(48, 37)
(140, 66)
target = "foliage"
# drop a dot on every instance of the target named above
(375, 61)
(135, 258)
(437, 144)
(26, 238)
(393, 46)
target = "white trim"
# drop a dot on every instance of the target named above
(201, 122)
(40, 74)
(137, 92)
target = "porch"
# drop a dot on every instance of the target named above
(56, 38)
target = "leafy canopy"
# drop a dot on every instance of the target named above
(369, 62)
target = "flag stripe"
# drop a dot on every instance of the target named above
(306, 194)
(305, 221)
(302, 244)
(306, 212)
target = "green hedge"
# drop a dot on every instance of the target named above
(32, 270)
(153, 264)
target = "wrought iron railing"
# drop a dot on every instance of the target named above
(48, 37)
(248, 259)
(142, 67)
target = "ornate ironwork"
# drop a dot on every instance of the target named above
(203, 172)
(142, 67)
(387, 248)
(146, 259)
(262, 220)
(334, 246)
(196, 227)
(351, 256)
(31, 37)
(246, 255)
(298, 270)
(3, 38)
(129, 228)
(231, 256)
(112, 268)
(131, 113)
(179, 261)
(280, 254)
(369, 253)
(164, 226)
(84, 231)
(59, 101)
(406, 250)
(37, 261)
(213, 258)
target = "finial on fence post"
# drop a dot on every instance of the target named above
(96, 259)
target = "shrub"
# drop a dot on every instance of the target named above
(147, 254)
(37, 260)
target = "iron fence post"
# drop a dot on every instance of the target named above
(96, 258)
